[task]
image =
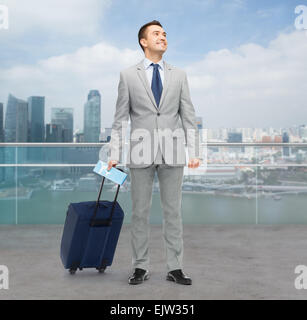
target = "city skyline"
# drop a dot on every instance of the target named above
(25, 121)
(59, 127)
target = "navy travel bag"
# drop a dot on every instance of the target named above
(90, 234)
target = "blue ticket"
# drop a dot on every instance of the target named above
(113, 174)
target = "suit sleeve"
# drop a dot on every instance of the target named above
(188, 118)
(120, 121)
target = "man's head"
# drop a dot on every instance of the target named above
(152, 37)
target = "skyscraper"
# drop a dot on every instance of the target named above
(64, 116)
(16, 120)
(36, 107)
(285, 139)
(15, 130)
(54, 132)
(92, 112)
(36, 127)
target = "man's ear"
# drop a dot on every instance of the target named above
(143, 42)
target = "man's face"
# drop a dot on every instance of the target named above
(155, 40)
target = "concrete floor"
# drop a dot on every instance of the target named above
(224, 262)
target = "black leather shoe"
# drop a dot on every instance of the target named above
(179, 277)
(138, 276)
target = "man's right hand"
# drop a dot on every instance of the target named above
(112, 163)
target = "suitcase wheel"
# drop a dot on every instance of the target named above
(72, 271)
(101, 270)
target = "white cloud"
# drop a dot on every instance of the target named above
(253, 85)
(65, 80)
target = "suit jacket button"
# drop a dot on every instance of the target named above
(158, 113)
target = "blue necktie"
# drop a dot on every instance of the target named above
(156, 84)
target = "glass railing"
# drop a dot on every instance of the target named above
(238, 183)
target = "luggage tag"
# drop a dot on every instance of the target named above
(113, 174)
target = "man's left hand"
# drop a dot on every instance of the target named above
(194, 163)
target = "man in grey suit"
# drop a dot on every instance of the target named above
(156, 97)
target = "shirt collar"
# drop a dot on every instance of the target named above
(147, 63)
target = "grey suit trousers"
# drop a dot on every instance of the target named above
(170, 183)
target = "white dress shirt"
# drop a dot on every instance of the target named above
(149, 70)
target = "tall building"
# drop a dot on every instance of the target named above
(54, 132)
(64, 117)
(303, 132)
(106, 135)
(79, 137)
(92, 112)
(36, 128)
(36, 107)
(16, 120)
(235, 137)
(15, 130)
(285, 139)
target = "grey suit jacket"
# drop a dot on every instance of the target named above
(165, 128)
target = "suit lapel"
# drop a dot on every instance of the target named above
(167, 78)
(141, 73)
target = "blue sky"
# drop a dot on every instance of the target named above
(64, 49)
(194, 28)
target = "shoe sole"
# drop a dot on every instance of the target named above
(138, 282)
(170, 278)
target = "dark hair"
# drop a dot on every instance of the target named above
(143, 30)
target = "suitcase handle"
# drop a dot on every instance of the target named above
(104, 222)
